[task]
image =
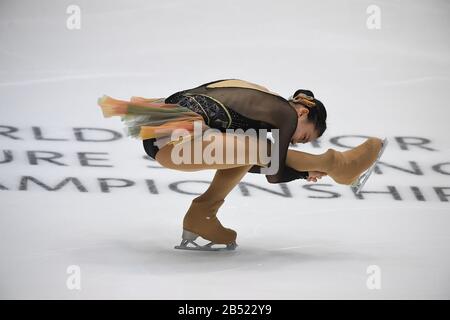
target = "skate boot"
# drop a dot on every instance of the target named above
(348, 166)
(359, 183)
(201, 221)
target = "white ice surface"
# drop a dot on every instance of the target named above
(392, 82)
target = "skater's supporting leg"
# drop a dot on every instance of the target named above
(223, 182)
(201, 217)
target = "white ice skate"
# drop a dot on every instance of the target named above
(189, 239)
(359, 184)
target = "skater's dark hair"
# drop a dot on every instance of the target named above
(317, 114)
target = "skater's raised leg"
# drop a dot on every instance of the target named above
(343, 167)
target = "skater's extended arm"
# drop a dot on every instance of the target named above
(284, 118)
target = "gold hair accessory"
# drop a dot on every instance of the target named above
(304, 99)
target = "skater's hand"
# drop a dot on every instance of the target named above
(314, 175)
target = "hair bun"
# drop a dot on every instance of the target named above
(307, 92)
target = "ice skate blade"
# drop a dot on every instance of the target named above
(184, 245)
(189, 239)
(361, 181)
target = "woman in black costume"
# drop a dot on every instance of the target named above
(219, 107)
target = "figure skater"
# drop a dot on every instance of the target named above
(226, 104)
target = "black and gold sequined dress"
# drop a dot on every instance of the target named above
(238, 104)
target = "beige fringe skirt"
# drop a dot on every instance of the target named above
(150, 118)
